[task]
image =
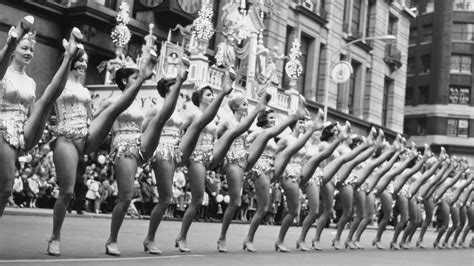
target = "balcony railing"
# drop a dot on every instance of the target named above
(393, 56)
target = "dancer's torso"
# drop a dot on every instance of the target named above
(18, 95)
(127, 126)
(72, 110)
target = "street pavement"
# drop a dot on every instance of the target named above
(23, 235)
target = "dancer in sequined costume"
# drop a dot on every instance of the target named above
(288, 164)
(22, 118)
(260, 163)
(197, 145)
(340, 156)
(322, 146)
(74, 116)
(443, 196)
(235, 160)
(401, 194)
(134, 141)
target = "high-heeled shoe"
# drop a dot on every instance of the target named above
(350, 245)
(316, 245)
(437, 245)
(447, 245)
(419, 244)
(24, 26)
(378, 245)
(112, 249)
(358, 245)
(455, 245)
(53, 247)
(336, 244)
(221, 246)
(181, 245)
(279, 247)
(301, 245)
(249, 247)
(151, 248)
(405, 245)
(394, 246)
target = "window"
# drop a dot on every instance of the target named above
(411, 66)
(424, 94)
(356, 21)
(408, 96)
(413, 36)
(459, 95)
(461, 63)
(464, 5)
(463, 32)
(421, 126)
(427, 33)
(386, 90)
(369, 23)
(429, 6)
(305, 45)
(352, 85)
(426, 64)
(458, 127)
(392, 25)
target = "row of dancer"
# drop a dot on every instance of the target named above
(197, 142)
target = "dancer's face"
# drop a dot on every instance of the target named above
(132, 78)
(243, 108)
(80, 66)
(271, 119)
(300, 126)
(24, 51)
(207, 98)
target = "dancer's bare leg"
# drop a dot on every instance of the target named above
(386, 201)
(455, 218)
(262, 186)
(429, 209)
(462, 223)
(312, 191)
(444, 215)
(327, 194)
(360, 198)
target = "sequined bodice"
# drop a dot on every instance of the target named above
(240, 142)
(298, 157)
(270, 149)
(172, 127)
(206, 137)
(18, 95)
(129, 122)
(71, 107)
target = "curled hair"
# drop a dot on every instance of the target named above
(76, 58)
(123, 73)
(262, 118)
(355, 142)
(31, 36)
(327, 132)
(236, 100)
(163, 86)
(197, 95)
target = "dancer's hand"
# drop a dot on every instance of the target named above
(24, 26)
(184, 69)
(147, 64)
(442, 154)
(72, 46)
(318, 122)
(229, 78)
(301, 111)
(427, 151)
(262, 104)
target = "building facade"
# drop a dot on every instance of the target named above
(372, 96)
(439, 99)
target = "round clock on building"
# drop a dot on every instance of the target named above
(190, 6)
(151, 3)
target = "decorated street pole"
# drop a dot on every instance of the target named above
(294, 69)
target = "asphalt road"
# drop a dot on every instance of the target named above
(23, 242)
